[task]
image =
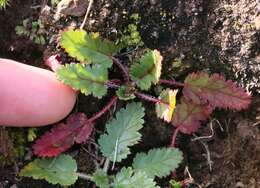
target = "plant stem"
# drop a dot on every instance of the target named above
(84, 176)
(172, 82)
(86, 15)
(104, 110)
(122, 68)
(112, 84)
(186, 182)
(189, 180)
(174, 136)
(53, 62)
(149, 98)
(106, 165)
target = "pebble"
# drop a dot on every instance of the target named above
(239, 185)
(153, 2)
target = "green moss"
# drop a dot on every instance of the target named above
(18, 137)
(55, 2)
(33, 30)
(3, 4)
(6, 160)
(179, 67)
(32, 134)
(131, 35)
(18, 140)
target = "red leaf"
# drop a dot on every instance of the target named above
(216, 90)
(188, 115)
(63, 136)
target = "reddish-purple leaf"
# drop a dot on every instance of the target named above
(216, 90)
(63, 136)
(188, 115)
(84, 133)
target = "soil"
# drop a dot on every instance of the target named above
(219, 36)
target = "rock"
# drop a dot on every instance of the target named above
(257, 22)
(71, 8)
(239, 185)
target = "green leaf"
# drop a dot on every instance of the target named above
(175, 184)
(60, 170)
(122, 132)
(158, 162)
(88, 48)
(101, 179)
(20, 30)
(124, 94)
(163, 110)
(128, 178)
(88, 79)
(148, 71)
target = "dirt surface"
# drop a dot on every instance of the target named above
(211, 35)
(234, 152)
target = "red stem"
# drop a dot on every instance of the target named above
(122, 68)
(53, 62)
(113, 84)
(186, 182)
(104, 110)
(172, 82)
(149, 98)
(174, 136)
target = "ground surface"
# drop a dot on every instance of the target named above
(211, 35)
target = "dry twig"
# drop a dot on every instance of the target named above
(87, 13)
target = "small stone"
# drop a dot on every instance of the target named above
(257, 22)
(71, 8)
(153, 2)
(239, 185)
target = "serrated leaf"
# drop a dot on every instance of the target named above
(88, 79)
(100, 178)
(88, 48)
(188, 115)
(148, 70)
(165, 110)
(123, 94)
(60, 170)
(122, 132)
(158, 162)
(128, 178)
(216, 90)
(63, 136)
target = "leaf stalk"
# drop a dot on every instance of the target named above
(104, 110)
(112, 84)
(174, 136)
(172, 82)
(106, 165)
(122, 68)
(84, 176)
(149, 98)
